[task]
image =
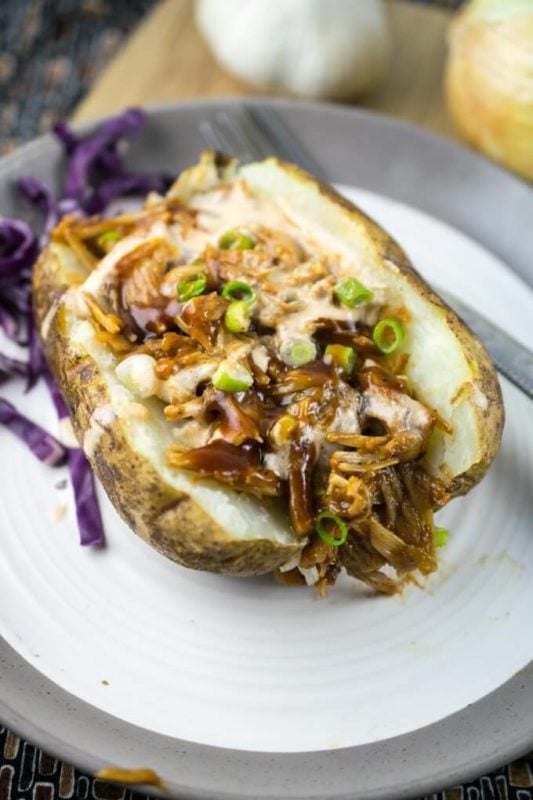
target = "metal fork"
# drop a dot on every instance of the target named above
(252, 133)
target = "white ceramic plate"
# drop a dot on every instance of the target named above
(119, 656)
(182, 654)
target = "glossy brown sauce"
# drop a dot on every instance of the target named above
(302, 460)
(237, 465)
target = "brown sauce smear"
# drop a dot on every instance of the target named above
(236, 465)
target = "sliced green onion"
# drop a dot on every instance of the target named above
(441, 536)
(232, 377)
(191, 287)
(197, 261)
(343, 357)
(334, 541)
(351, 292)
(296, 352)
(237, 317)
(239, 290)
(109, 238)
(388, 334)
(235, 240)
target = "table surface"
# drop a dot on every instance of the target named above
(178, 65)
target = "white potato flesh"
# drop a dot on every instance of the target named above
(242, 515)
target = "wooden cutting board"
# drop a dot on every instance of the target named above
(167, 59)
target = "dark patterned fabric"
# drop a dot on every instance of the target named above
(27, 773)
(51, 51)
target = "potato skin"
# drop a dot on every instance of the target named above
(172, 522)
(168, 520)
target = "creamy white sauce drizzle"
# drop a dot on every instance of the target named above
(107, 268)
(396, 410)
(278, 461)
(479, 399)
(66, 433)
(225, 208)
(47, 321)
(310, 574)
(292, 563)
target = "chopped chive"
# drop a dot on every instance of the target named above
(296, 352)
(343, 357)
(441, 536)
(334, 541)
(237, 317)
(191, 287)
(351, 292)
(239, 290)
(388, 334)
(235, 240)
(232, 377)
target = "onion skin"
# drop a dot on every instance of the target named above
(489, 81)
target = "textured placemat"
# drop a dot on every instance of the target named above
(26, 772)
(51, 51)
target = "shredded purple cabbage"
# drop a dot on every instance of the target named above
(86, 155)
(65, 135)
(18, 250)
(96, 175)
(10, 367)
(40, 442)
(96, 172)
(125, 185)
(55, 393)
(90, 523)
(40, 195)
(37, 360)
(14, 326)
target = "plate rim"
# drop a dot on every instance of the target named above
(304, 776)
(293, 775)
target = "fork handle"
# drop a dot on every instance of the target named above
(511, 358)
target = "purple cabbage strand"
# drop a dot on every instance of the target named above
(90, 525)
(96, 175)
(10, 367)
(40, 442)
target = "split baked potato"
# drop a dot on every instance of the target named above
(262, 381)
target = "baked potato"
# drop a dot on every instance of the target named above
(261, 380)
